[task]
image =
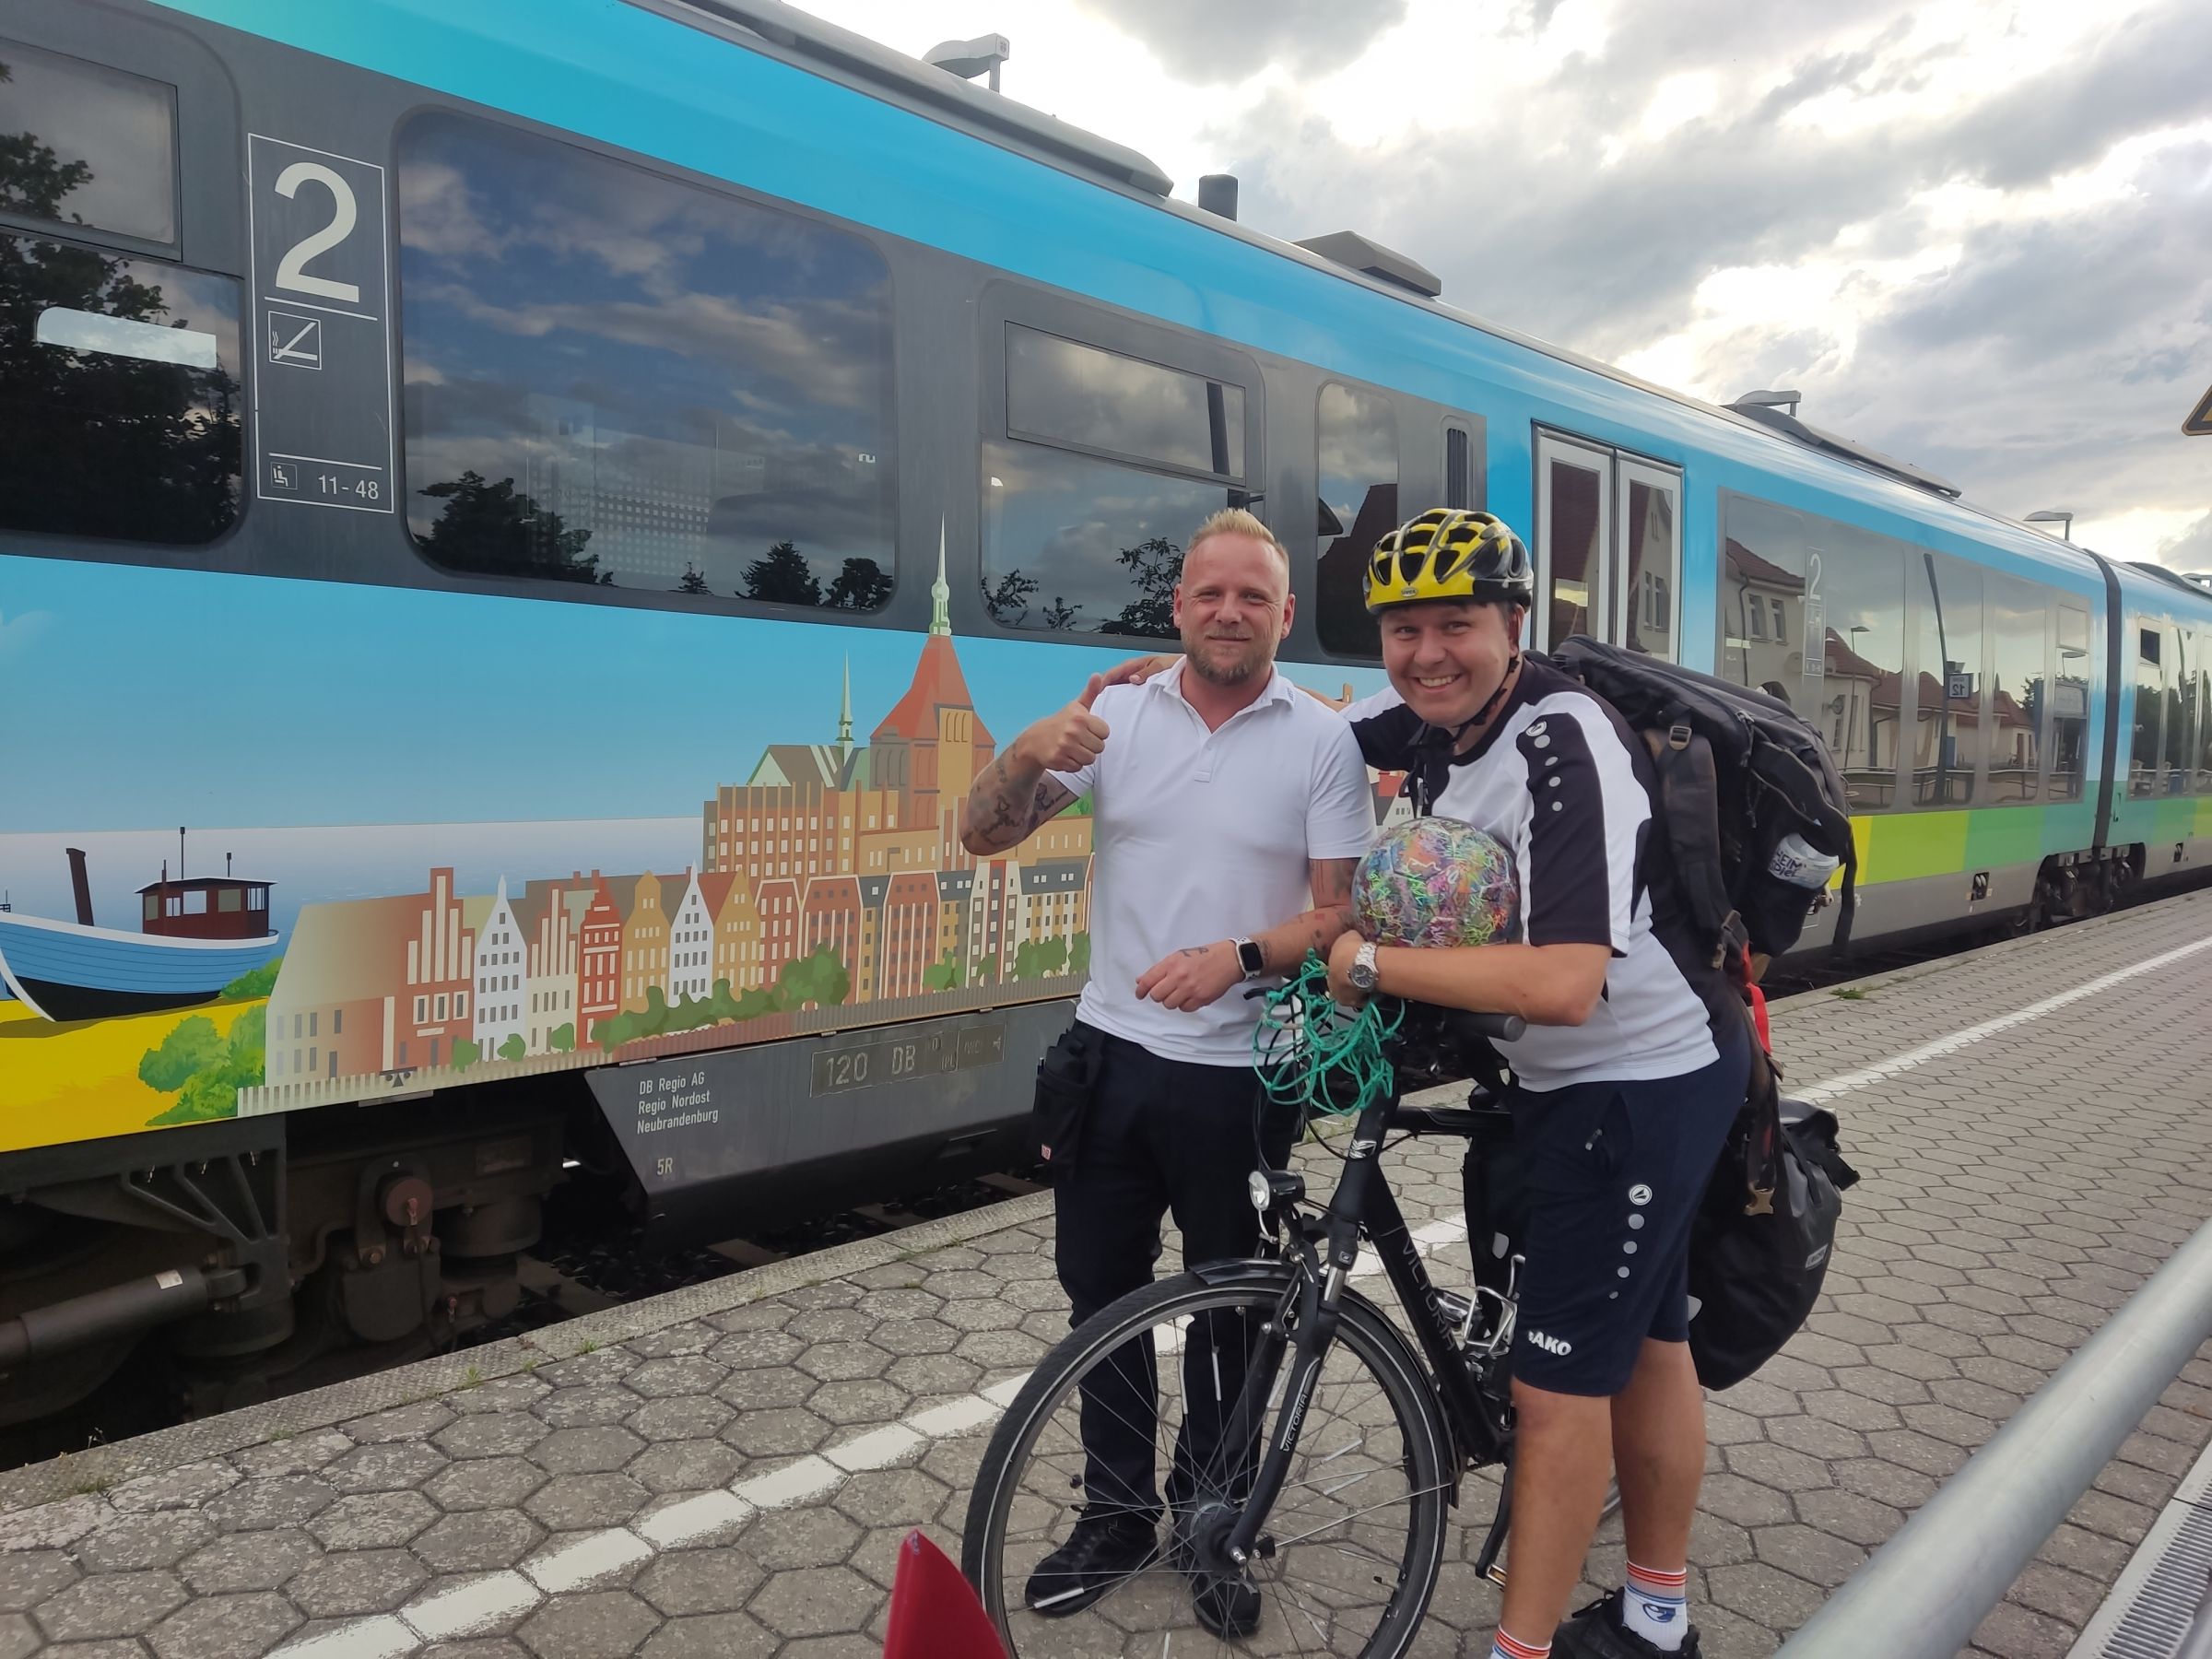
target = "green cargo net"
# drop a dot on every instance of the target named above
(1315, 1053)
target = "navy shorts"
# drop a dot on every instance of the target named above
(1615, 1171)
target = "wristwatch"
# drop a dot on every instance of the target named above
(1362, 971)
(1250, 958)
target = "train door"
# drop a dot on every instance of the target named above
(1608, 547)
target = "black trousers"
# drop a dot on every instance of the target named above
(1163, 1137)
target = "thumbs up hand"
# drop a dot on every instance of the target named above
(1070, 739)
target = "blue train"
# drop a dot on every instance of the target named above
(566, 496)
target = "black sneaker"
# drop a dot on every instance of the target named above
(1598, 1632)
(1100, 1551)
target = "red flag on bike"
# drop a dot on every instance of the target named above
(934, 1613)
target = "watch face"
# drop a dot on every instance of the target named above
(1250, 958)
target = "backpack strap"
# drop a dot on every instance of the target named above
(1690, 797)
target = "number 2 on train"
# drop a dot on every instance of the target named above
(291, 271)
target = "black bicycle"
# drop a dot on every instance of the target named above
(1305, 1449)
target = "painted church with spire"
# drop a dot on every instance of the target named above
(859, 848)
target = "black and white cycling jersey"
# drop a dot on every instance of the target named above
(1559, 779)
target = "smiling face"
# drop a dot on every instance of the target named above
(1447, 657)
(1232, 606)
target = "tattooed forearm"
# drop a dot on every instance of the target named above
(1008, 800)
(1283, 948)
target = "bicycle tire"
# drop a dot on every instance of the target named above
(1372, 1363)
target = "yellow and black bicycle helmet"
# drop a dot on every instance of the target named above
(1450, 553)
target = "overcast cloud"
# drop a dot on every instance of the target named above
(1976, 234)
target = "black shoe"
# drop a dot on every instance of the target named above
(1227, 1607)
(1598, 1632)
(1099, 1553)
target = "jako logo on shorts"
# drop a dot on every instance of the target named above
(1550, 1344)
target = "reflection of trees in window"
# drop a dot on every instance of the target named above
(1007, 600)
(783, 577)
(1155, 565)
(1103, 540)
(487, 527)
(694, 580)
(104, 444)
(863, 585)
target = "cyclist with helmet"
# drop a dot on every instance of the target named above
(1624, 1087)
(1632, 1070)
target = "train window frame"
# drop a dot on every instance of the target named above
(206, 151)
(1007, 303)
(891, 612)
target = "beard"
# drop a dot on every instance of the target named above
(1209, 660)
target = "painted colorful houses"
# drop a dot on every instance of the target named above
(826, 851)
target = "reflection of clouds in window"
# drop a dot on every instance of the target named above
(697, 382)
(1076, 394)
(120, 128)
(1063, 522)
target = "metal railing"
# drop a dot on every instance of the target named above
(1923, 1592)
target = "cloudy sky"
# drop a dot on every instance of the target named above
(1977, 234)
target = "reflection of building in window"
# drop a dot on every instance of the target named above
(1754, 590)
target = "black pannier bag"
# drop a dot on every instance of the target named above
(1737, 773)
(1764, 1234)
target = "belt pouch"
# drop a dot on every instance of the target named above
(1066, 1078)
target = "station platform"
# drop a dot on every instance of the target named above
(728, 1470)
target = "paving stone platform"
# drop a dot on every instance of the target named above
(728, 1470)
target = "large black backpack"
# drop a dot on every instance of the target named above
(1735, 772)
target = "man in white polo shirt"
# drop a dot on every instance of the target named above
(1228, 810)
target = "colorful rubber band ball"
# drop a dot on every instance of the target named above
(1437, 881)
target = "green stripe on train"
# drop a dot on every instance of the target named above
(1905, 846)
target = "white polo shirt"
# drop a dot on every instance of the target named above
(1200, 836)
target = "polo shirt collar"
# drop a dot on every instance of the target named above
(1280, 690)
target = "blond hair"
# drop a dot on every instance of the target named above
(1235, 520)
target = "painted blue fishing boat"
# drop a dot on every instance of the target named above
(196, 936)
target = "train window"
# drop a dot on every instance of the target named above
(1861, 595)
(2203, 718)
(614, 377)
(1076, 545)
(1356, 433)
(1947, 720)
(1065, 393)
(2180, 746)
(2069, 723)
(120, 394)
(2150, 697)
(2019, 715)
(1459, 467)
(88, 147)
(1762, 601)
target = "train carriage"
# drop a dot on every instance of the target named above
(565, 496)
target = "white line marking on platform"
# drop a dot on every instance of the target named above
(382, 1637)
(692, 1519)
(481, 1603)
(1850, 1081)
(475, 1606)
(588, 1560)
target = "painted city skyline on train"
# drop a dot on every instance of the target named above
(822, 871)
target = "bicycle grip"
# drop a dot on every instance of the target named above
(1497, 1028)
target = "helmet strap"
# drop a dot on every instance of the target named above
(1482, 716)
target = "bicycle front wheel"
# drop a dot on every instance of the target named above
(1136, 1417)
